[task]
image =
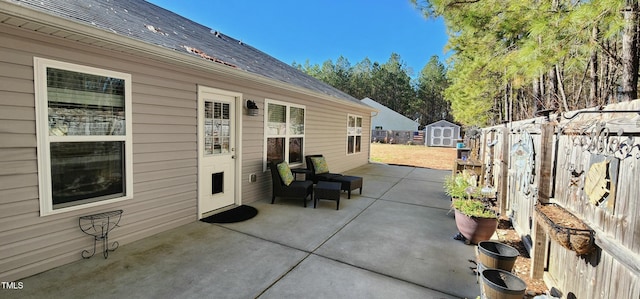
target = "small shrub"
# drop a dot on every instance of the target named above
(461, 185)
(473, 208)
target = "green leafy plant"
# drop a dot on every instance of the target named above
(474, 208)
(461, 185)
(467, 197)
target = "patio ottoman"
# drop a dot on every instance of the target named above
(349, 183)
(327, 190)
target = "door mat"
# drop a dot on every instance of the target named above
(237, 214)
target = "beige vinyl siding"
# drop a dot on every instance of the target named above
(164, 153)
(327, 127)
(18, 179)
(252, 153)
(325, 133)
(164, 100)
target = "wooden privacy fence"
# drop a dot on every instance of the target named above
(397, 137)
(553, 174)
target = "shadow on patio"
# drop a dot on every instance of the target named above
(393, 241)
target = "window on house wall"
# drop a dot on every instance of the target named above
(284, 134)
(84, 136)
(354, 134)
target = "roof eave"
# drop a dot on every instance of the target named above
(114, 41)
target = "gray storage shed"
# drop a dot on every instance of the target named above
(442, 133)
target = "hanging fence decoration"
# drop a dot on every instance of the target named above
(600, 181)
(604, 146)
(523, 155)
(596, 136)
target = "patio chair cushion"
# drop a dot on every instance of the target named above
(320, 165)
(285, 173)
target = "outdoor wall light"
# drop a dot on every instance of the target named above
(252, 108)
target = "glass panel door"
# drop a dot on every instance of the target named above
(217, 133)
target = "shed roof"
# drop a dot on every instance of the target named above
(442, 123)
(143, 21)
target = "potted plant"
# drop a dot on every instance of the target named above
(461, 185)
(475, 218)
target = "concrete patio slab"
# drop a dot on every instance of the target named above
(198, 260)
(393, 241)
(375, 186)
(381, 170)
(286, 222)
(325, 278)
(427, 174)
(409, 242)
(419, 192)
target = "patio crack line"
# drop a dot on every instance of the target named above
(415, 204)
(283, 275)
(299, 249)
(261, 238)
(344, 225)
(406, 177)
(424, 180)
(308, 253)
(365, 269)
(392, 186)
(385, 275)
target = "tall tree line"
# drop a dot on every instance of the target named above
(390, 84)
(513, 58)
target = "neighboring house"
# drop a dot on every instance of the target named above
(442, 133)
(387, 119)
(108, 105)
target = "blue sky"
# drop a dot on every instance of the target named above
(318, 30)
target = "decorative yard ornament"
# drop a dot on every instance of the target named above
(474, 133)
(600, 181)
(523, 154)
(596, 184)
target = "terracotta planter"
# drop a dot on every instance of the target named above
(475, 229)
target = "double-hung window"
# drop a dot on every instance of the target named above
(354, 134)
(284, 132)
(84, 136)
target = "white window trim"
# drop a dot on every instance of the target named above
(354, 134)
(42, 134)
(287, 135)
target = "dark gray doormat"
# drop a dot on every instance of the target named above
(237, 214)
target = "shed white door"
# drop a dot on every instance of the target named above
(216, 150)
(442, 136)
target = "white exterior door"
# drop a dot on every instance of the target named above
(217, 163)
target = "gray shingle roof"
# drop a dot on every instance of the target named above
(149, 23)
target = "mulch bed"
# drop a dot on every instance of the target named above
(522, 266)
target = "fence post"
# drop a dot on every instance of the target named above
(539, 248)
(503, 179)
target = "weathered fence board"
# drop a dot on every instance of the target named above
(590, 165)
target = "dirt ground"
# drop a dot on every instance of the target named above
(413, 155)
(443, 158)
